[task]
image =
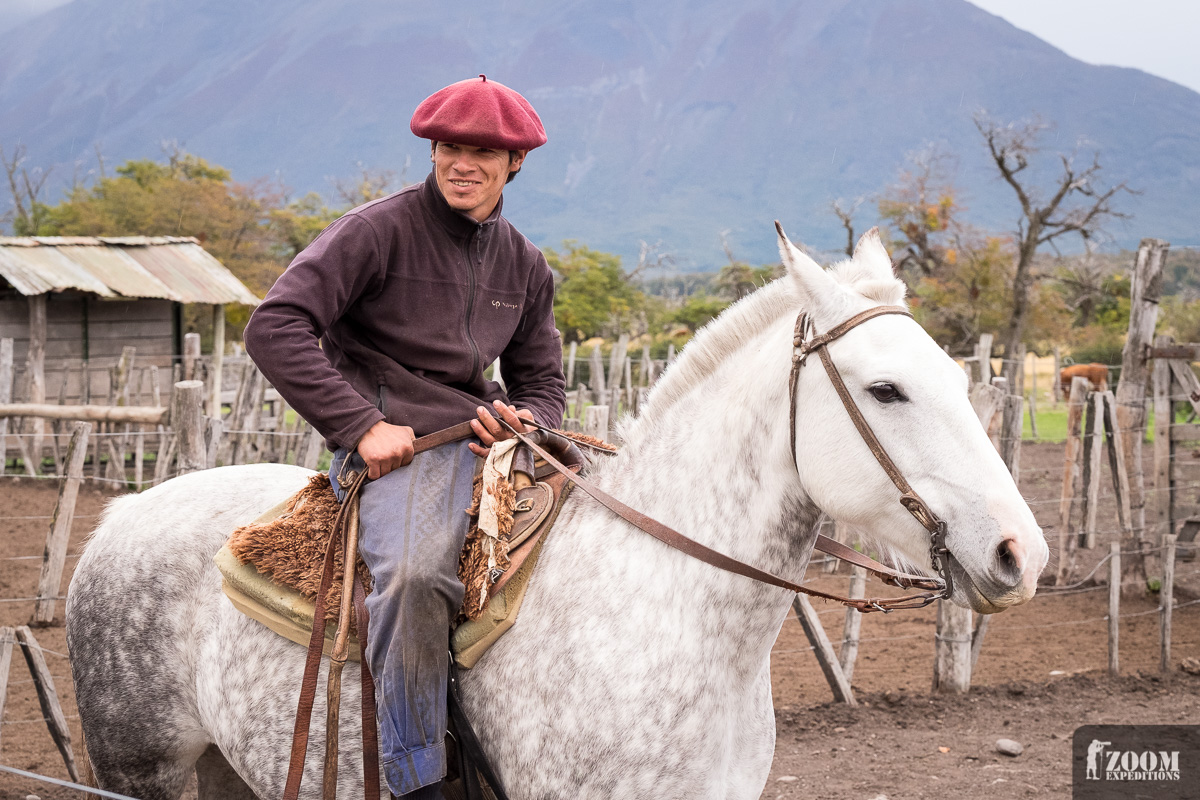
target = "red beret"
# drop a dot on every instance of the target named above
(479, 112)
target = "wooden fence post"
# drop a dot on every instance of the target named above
(1071, 476)
(121, 374)
(953, 637)
(571, 364)
(1131, 413)
(7, 638)
(1164, 415)
(824, 650)
(1093, 449)
(1114, 607)
(1055, 383)
(213, 428)
(1167, 600)
(616, 361)
(191, 355)
(52, 711)
(1010, 435)
(1116, 464)
(952, 659)
(218, 360)
(596, 374)
(35, 369)
(983, 351)
(595, 422)
(55, 555)
(852, 625)
(187, 419)
(314, 444)
(6, 384)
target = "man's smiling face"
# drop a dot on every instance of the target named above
(472, 178)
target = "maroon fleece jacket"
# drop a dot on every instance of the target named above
(411, 301)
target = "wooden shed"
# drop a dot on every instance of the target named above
(72, 303)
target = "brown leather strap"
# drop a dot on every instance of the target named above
(692, 548)
(370, 729)
(316, 646)
(842, 328)
(908, 498)
(316, 642)
(802, 346)
(452, 434)
(885, 573)
(939, 554)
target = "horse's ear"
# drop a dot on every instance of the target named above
(816, 287)
(871, 254)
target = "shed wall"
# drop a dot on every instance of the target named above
(146, 324)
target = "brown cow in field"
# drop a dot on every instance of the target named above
(1097, 375)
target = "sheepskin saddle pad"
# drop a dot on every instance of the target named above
(271, 568)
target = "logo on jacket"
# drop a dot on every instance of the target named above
(502, 304)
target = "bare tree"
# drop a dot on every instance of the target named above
(1074, 205)
(370, 184)
(651, 258)
(844, 210)
(25, 186)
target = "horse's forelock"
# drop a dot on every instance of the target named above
(863, 280)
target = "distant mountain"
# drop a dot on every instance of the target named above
(673, 120)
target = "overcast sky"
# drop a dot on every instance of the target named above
(1157, 36)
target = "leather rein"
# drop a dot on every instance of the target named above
(802, 345)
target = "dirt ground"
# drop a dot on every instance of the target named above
(1041, 674)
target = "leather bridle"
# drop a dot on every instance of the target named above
(804, 342)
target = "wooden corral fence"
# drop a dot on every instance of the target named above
(144, 426)
(1104, 428)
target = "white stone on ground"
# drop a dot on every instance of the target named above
(1008, 747)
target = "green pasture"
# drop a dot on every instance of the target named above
(1052, 423)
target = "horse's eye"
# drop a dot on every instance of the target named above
(886, 393)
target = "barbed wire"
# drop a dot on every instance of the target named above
(34, 558)
(1000, 627)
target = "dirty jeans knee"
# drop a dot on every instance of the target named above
(412, 525)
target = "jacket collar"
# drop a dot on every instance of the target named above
(455, 222)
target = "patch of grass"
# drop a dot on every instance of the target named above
(1052, 423)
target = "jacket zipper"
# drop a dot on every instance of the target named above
(382, 404)
(470, 307)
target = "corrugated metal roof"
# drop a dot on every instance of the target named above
(169, 267)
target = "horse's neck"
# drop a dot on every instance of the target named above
(716, 468)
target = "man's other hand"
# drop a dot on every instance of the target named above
(490, 431)
(386, 447)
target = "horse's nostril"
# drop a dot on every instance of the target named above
(1008, 561)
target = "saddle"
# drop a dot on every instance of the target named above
(271, 568)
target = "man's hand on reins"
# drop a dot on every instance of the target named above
(490, 431)
(386, 447)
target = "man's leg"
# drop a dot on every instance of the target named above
(411, 531)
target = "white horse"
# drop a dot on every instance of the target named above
(634, 670)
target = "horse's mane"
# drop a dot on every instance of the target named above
(747, 319)
(716, 341)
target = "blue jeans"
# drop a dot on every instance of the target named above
(412, 526)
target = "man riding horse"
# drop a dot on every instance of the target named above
(380, 332)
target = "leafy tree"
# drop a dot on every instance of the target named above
(922, 212)
(594, 295)
(697, 311)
